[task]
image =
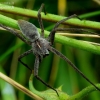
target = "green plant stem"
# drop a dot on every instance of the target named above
(77, 96)
(91, 14)
(48, 94)
(83, 93)
(49, 17)
(7, 21)
(61, 39)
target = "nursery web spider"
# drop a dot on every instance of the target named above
(40, 45)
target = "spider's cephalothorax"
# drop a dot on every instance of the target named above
(40, 45)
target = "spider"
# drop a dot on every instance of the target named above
(40, 45)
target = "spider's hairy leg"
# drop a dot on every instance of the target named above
(40, 19)
(65, 19)
(52, 33)
(23, 55)
(36, 66)
(13, 31)
(75, 29)
(71, 64)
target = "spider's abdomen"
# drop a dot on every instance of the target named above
(28, 30)
(40, 47)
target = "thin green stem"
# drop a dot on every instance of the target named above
(7, 21)
(62, 95)
(91, 14)
(49, 17)
(61, 39)
(83, 93)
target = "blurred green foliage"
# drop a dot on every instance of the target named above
(53, 70)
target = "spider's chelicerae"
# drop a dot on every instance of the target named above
(40, 45)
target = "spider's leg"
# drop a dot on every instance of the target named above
(71, 64)
(23, 55)
(52, 33)
(65, 19)
(40, 19)
(75, 29)
(36, 66)
(15, 33)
